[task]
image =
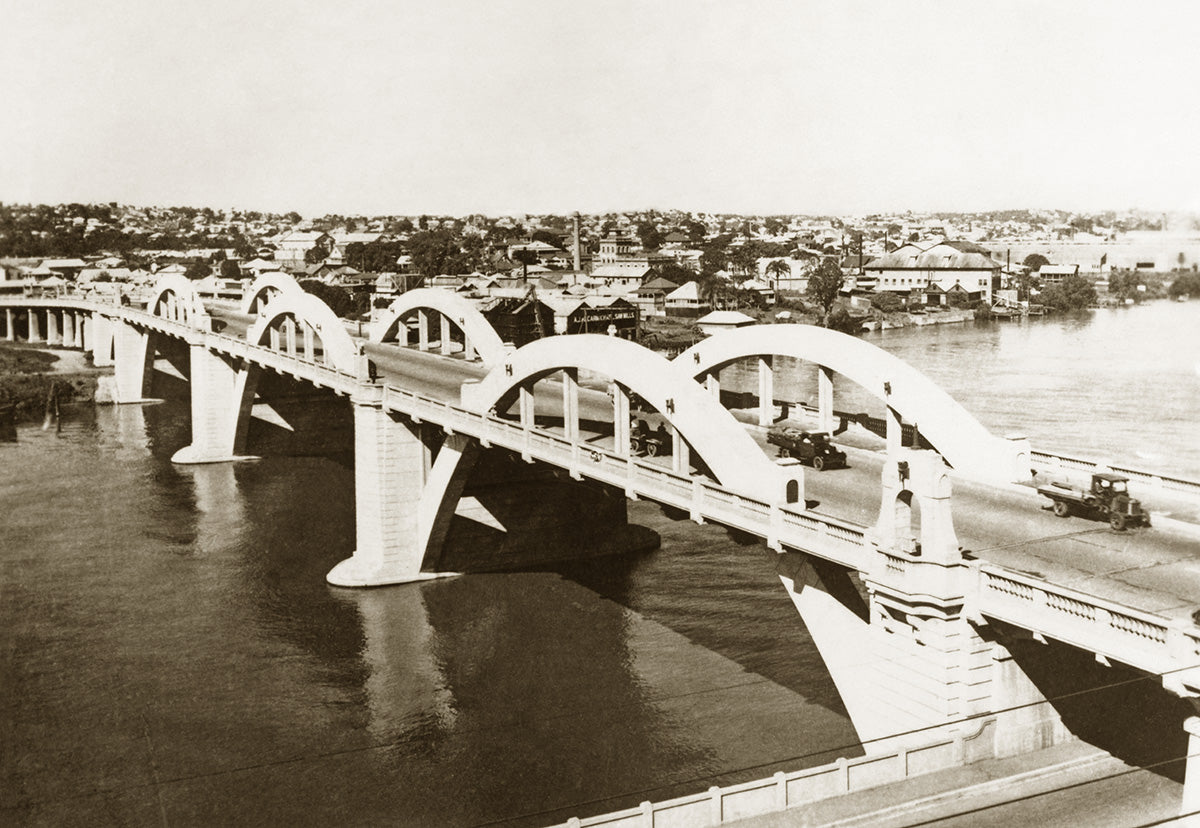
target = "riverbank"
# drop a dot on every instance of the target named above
(31, 375)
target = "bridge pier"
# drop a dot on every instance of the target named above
(391, 465)
(100, 340)
(68, 329)
(218, 407)
(35, 326)
(132, 358)
(52, 335)
(10, 322)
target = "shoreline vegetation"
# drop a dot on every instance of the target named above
(35, 379)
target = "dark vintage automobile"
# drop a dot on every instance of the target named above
(652, 442)
(810, 447)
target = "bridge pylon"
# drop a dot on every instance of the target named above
(910, 665)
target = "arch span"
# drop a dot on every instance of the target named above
(718, 439)
(951, 429)
(175, 297)
(477, 331)
(267, 286)
(293, 316)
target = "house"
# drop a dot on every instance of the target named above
(66, 268)
(290, 248)
(622, 276)
(945, 264)
(685, 301)
(1054, 274)
(651, 296)
(725, 320)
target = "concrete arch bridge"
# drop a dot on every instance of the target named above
(915, 637)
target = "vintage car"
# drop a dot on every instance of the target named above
(810, 447)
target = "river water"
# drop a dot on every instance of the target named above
(171, 652)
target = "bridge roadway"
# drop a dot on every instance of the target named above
(1156, 570)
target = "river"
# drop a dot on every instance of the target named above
(172, 654)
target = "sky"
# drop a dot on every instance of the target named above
(538, 106)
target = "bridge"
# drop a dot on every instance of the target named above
(944, 600)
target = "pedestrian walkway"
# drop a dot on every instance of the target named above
(1068, 785)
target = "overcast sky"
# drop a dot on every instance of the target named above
(548, 106)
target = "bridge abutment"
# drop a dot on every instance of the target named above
(909, 663)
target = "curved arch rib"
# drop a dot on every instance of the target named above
(478, 332)
(175, 297)
(951, 429)
(266, 286)
(719, 440)
(339, 349)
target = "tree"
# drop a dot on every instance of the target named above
(526, 258)
(1187, 284)
(886, 302)
(230, 270)
(434, 252)
(824, 284)
(1073, 294)
(198, 269)
(338, 298)
(677, 273)
(1035, 261)
(650, 236)
(315, 254)
(778, 269)
(547, 237)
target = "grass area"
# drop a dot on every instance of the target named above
(27, 380)
(21, 359)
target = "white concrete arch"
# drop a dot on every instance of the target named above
(175, 297)
(714, 435)
(265, 287)
(951, 429)
(293, 322)
(455, 310)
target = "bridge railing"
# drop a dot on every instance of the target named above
(702, 499)
(1160, 482)
(1134, 637)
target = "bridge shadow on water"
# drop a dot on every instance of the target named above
(718, 588)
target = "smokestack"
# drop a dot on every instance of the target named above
(575, 246)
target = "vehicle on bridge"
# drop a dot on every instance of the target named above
(810, 447)
(652, 442)
(1107, 499)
